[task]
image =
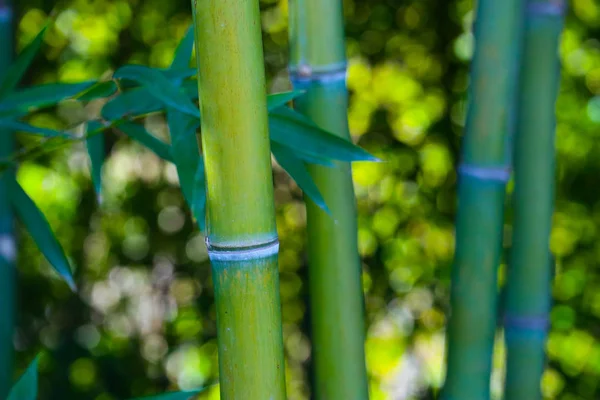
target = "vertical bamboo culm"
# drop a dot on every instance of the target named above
(318, 66)
(528, 291)
(7, 239)
(484, 171)
(241, 233)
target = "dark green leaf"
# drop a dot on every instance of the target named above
(199, 202)
(99, 90)
(183, 53)
(184, 395)
(294, 130)
(138, 133)
(26, 388)
(185, 150)
(308, 157)
(18, 68)
(40, 231)
(134, 102)
(297, 170)
(160, 87)
(42, 95)
(95, 148)
(277, 100)
(175, 74)
(25, 127)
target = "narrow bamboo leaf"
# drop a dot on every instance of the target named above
(99, 90)
(26, 388)
(42, 95)
(307, 157)
(160, 87)
(18, 68)
(135, 102)
(138, 133)
(175, 74)
(95, 148)
(40, 231)
(297, 170)
(190, 88)
(25, 127)
(277, 100)
(185, 150)
(294, 130)
(199, 196)
(184, 395)
(183, 53)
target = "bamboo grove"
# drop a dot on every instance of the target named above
(224, 128)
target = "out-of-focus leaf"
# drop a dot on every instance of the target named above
(294, 130)
(277, 100)
(184, 395)
(99, 90)
(17, 69)
(95, 148)
(26, 388)
(183, 53)
(160, 87)
(199, 196)
(39, 229)
(42, 95)
(25, 127)
(185, 150)
(174, 74)
(139, 133)
(297, 170)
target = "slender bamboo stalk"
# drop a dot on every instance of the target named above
(484, 172)
(7, 240)
(241, 232)
(318, 66)
(528, 295)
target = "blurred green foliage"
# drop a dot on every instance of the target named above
(144, 320)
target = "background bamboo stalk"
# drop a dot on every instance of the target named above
(7, 240)
(318, 66)
(484, 172)
(528, 291)
(241, 232)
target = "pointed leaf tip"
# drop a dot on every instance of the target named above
(41, 232)
(17, 69)
(297, 170)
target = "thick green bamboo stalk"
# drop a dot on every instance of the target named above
(528, 295)
(318, 66)
(484, 171)
(241, 233)
(7, 240)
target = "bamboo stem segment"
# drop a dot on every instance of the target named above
(528, 291)
(481, 191)
(7, 239)
(241, 232)
(318, 66)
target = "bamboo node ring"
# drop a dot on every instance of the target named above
(249, 253)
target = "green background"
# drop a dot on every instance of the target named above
(145, 321)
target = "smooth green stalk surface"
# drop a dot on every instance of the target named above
(528, 295)
(318, 66)
(479, 226)
(7, 244)
(246, 329)
(242, 237)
